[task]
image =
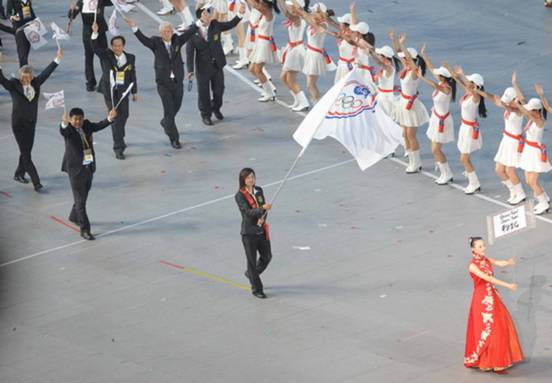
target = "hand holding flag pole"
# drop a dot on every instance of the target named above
(124, 95)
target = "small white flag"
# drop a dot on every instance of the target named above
(58, 33)
(349, 112)
(55, 100)
(89, 6)
(113, 24)
(37, 25)
(122, 6)
(33, 35)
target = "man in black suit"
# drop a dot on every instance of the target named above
(119, 71)
(169, 71)
(205, 51)
(79, 161)
(87, 21)
(20, 13)
(25, 93)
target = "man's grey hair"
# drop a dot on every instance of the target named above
(165, 24)
(25, 69)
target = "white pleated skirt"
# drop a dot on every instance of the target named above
(507, 153)
(414, 117)
(433, 130)
(295, 58)
(466, 143)
(530, 160)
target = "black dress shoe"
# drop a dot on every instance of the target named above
(38, 187)
(87, 235)
(90, 88)
(218, 115)
(176, 144)
(119, 155)
(259, 294)
(207, 120)
(21, 178)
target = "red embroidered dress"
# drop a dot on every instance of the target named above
(491, 337)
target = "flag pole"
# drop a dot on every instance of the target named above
(57, 42)
(286, 178)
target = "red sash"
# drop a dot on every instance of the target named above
(291, 45)
(323, 52)
(272, 43)
(410, 99)
(232, 6)
(541, 147)
(252, 202)
(475, 127)
(441, 120)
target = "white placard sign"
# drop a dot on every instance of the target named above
(510, 221)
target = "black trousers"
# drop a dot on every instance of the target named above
(23, 47)
(118, 125)
(89, 53)
(24, 136)
(171, 94)
(255, 267)
(80, 186)
(207, 83)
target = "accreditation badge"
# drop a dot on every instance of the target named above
(120, 78)
(88, 157)
(216, 37)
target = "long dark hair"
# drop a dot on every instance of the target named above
(370, 38)
(451, 82)
(420, 62)
(473, 240)
(482, 108)
(244, 173)
(272, 4)
(543, 113)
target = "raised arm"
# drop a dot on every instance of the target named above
(287, 12)
(146, 41)
(408, 57)
(97, 126)
(352, 10)
(43, 76)
(515, 84)
(304, 15)
(6, 83)
(460, 79)
(261, 7)
(188, 33)
(395, 45)
(495, 281)
(499, 263)
(101, 52)
(74, 10)
(494, 99)
(545, 103)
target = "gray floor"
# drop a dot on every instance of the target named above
(381, 294)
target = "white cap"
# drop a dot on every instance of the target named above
(362, 28)
(386, 51)
(290, 3)
(533, 104)
(508, 96)
(413, 52)
(319, 7)
(208, 5)
(345, 19)
(442, 71)
(477, 79)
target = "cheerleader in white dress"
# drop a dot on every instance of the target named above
(233, 7)
(441, 125)
(410, 113)
(361, 33)
(317, 60)
(347, 51)
(469, 138)
(293, 54)
(534, 157)
(264, 50)
(511, 144)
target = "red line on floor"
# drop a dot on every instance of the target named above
(60, 221)
(5, 194)
(179, 267)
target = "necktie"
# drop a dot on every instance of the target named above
(29, 92)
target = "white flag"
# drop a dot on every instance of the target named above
(127, 91)
(89, 6)
(34, 36)
(36, 24)
(122, 6)
(113, 25)
(349, 113)
(58, 33)
(55, 100)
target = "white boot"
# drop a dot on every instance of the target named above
(415, 162)
(302, 102)
(227, 43)
(543, 206)
(267, 75)
(166, 9)
(295, 99)
(547, 197)
(268, 94)
(243, 60)
(510, 187)
(446, 174)
(473, 183)
(519, 194)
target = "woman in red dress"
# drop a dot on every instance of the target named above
(491, 340)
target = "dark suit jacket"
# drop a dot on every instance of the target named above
(209, 55)
(109, 63)
(249, 215)
(88, 18)
(74, 148)
(162, 62)
(25, 112)
(14, 7)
